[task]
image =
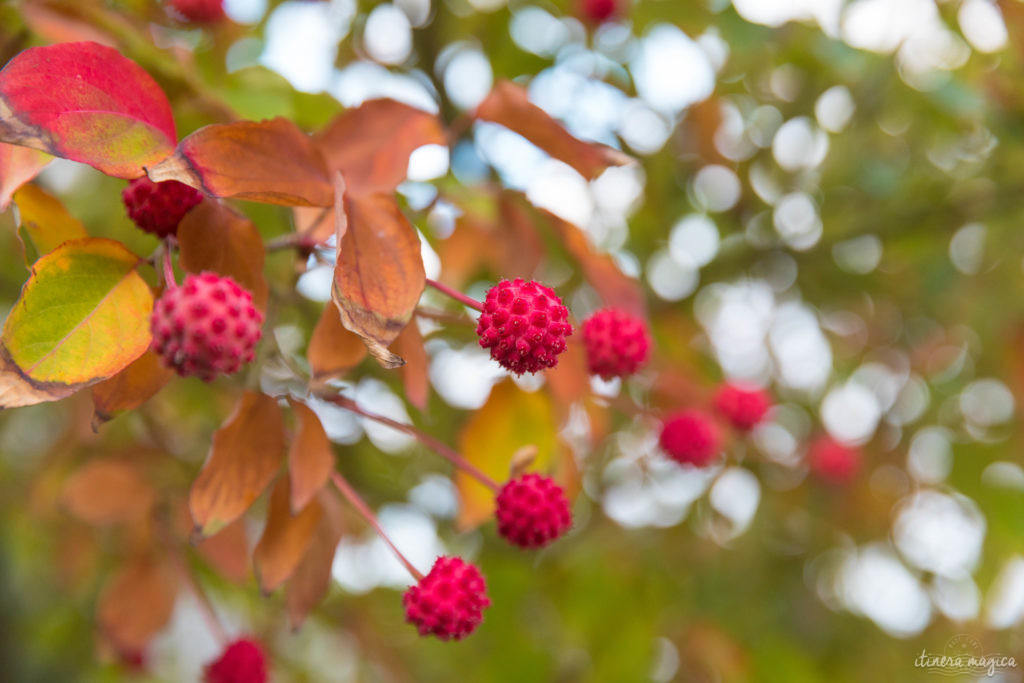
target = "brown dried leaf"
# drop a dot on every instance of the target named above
(130, 388)
(415, 378)
(333, 350)
(213, 237)
(244, 457)
(285, 538)
(371, 144)
(312, 578)
(108, 491)
(136, 603)
(310, 458)
(509, 106)
(379, 274)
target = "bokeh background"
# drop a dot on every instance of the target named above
(827, 201)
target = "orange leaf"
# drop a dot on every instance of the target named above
(312, 578)
(130, 388)
(310, 458)
(333, 350)
(108, 491)
(371, 144)
(379, 275)
(228, 551)
(570, 379)
(18, 165)
(415, 378)
(509, 106)
(213, 237)
(136, 603)
(244, 458)
(265, 161)
(285, 538)
(315, 222)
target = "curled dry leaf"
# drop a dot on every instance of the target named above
(214, 237)
(130, 388)
(108, 491)
(509, 105)
(43, 222)
(379, 274)
(310, 457)
(285, 538)
(312, 578)
(86, 102)
(244, 457)
(333, 350)
(136, 603)
(264, 161)
(18, 165)
(81, 318)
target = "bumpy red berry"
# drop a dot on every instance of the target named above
(598, 11)
(243, 661)
(532, 511)
(742, 406)
(524, 324)
(199, 11)
(691, 438)
(616, 342)
(449, 601)
(206, 327)
(832, 461)
(157, 208)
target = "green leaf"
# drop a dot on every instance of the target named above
(43, 222)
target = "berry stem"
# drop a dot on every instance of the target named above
(295, 240)
(430, 442)
(458, 296)
(169, 280)
(205, 606)
(363, 509)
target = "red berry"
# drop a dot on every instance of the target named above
(243, 661)
(157, 208)
(742, 406)
(598, 11)
(532, 511)
(691, 438)
(833, 461)
(617, 343)
(449, 601)
(199, 11)
(524, 324)
(206, 326)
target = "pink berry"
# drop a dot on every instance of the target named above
(616, 342)
(524, 324)
(243, 661)
(449, 601)
(532, 511)
(834, 462)
(691, 438)
(206, 326)
(598, 11)
(742, 406)
(157, 208)
(199, 11)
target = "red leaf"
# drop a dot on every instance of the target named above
(285, 538)
(244, 458)
(136, 603)
(333, 350)
(88, 103)
(265, 161)
(310, 458)
(379, 275)
(18, 165)
(509, 105)
(371, 144)
(130, 388)
(312, 578)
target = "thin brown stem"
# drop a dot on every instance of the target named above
(205, 606)
(426, 439)
(356, 501)
(443, 317)
(458, 296)
(293, 240)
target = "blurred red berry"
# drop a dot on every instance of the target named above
(524, 324)
(243, 661)
(599, 11)
(691, 437)
(833, 461)
(616, 343)
(532, 511)
(199, 11)
(742, 406)
(449, 601)
(157, 208)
